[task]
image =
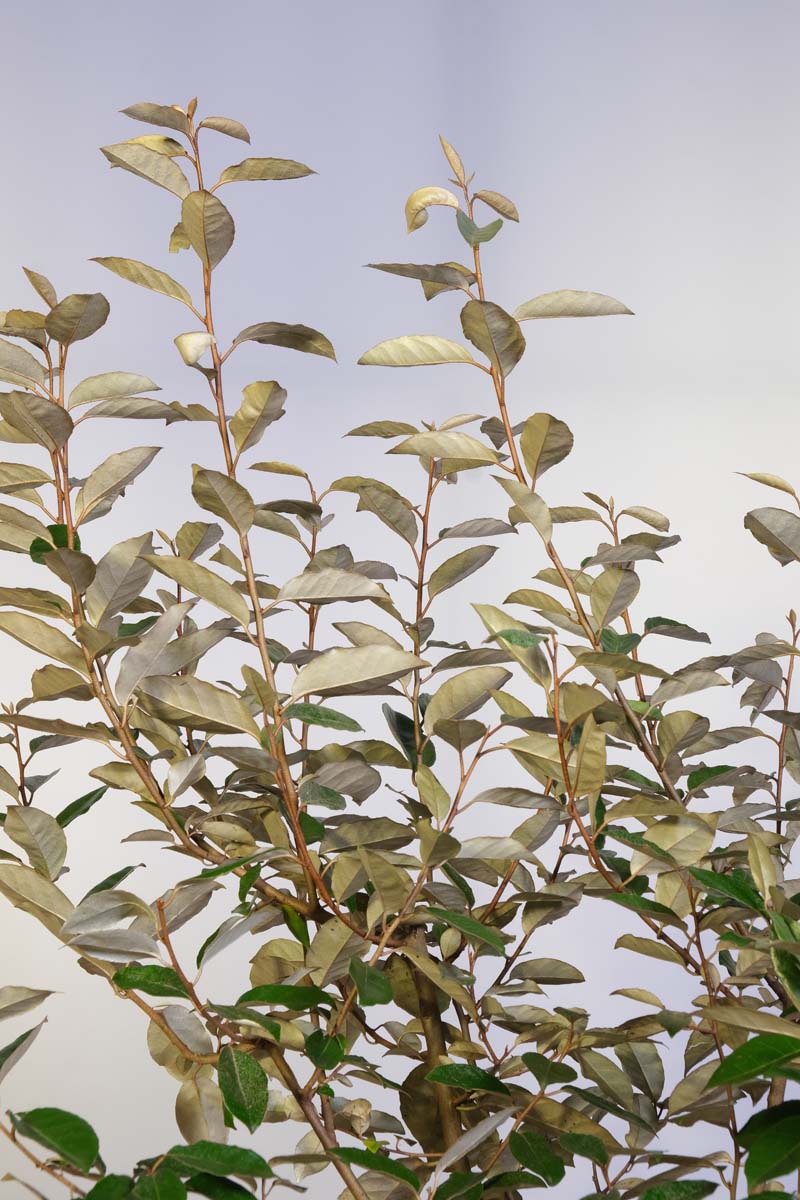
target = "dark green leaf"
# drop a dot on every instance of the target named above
(214, 1158)
(373, 986)
(680, 1189)
(152, 980)
(315, 714)
(111, 1187)
(737, 885)
(376, 1162)
(473, 930)
(243, 1085)
(545, 1071)
(586, 1146)
(704, 774)
(533, 1151)
(164, 1185)
(80, 806)
(70, 1137)
(476, 235)
(323, 1051)
(469, 1078)
(298, 997)
(217, 1189)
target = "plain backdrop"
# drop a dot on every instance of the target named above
(652, 150)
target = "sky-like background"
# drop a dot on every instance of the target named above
(652, 150)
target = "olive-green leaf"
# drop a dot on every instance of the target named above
(568, 303)
(291, 337)
(18, 366)
(13, 1052)
(262, 403)
(110, 479)
(77, 317)
(500, 203)
(68, 1136)
(778, 530)
(208, 226)
(40, 836)
(257, 169)
(196, 704)
(463, 694)
(545, 441)
(35, 895)
(244, 1086)
(44, 638)
(200, 581)
(494, 333)
(166, 115)
(459, 567)
(467, 1078)
(37, 419)
(223, 496)
(227, 125)
(112, 385)
(152, 980)
(17, 1000)
(447, 444)
(346, 667)
(415, 350)
(148, 164)
(147, 277)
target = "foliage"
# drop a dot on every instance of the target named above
(397, 1009)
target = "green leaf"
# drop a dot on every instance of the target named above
(469, 1078)
(163, 1185)
(196, 704)
(13, 1052)
(338, 669)
(262, 403)
(585, 1146)
(147, 277)
(681, 1189)
(111, 1187)
(256, 169)
(619, 643)
(568, 303)
(459, 567)
(80, 806)
(323, 1051)
(297, 997)
(208, 226)
(737, 885)
(217, 1189)
(68, 1136)
(533, 1151)
(641, 904)
(473, 930)
(758, 1056)
(152, 980)
(164, 115)
(223, 496)
(214, 1158)
(476, 235)
(415, 350)
(463, 694)
(494, 333)
(315, 714)
(703, 774)
(199, 581)
(77, 317)
(110, 479)
(545, 1071)
(244, 1086)
(376, 1162)
(373, 986)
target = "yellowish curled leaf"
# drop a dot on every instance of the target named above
(419, 202)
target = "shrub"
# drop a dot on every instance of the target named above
(397, 1008)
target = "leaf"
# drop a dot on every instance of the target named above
(421, 200)
(377, 1162)
(586, 1146)
(217, 1189)
(501, 204)
(201, 582)
(297, 997)
(42, 286)
(40, 836)
(111, 1187)
(13, 1052)
(459, 567)
(330, 584)
(232, 128)
(35, 895)
(143, 658)
(463, 694)
(681, 1189)
(772, 481)
(147, 277)
(346, 667)
(736, 886)
(758, 1056)
(196, 704)
(415, 350)
(315, 714)
(372, 984)
(112, 385)
(545, 441)
(243, 1085)
(18, 366)
(37, 419)
(148, 164)
(476, 235)
(773, 1140)
(17, 1000)
(439, 273)
(494, 333)
(468, 1078)
(323, 1051)
(256, 169)
(569, 303)
(473, 930)
(70, 1137)
(158, 114)
(38, 635)
(112, 477)
(223, 496)
(470, 1140)
(778, 530)
(77, 317)
(533, 1151)
(152, 980)
(208, 226)
(192, 346)
(163, 1185)
(291, 337)
(262, 403)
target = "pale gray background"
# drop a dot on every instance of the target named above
(652, 149)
